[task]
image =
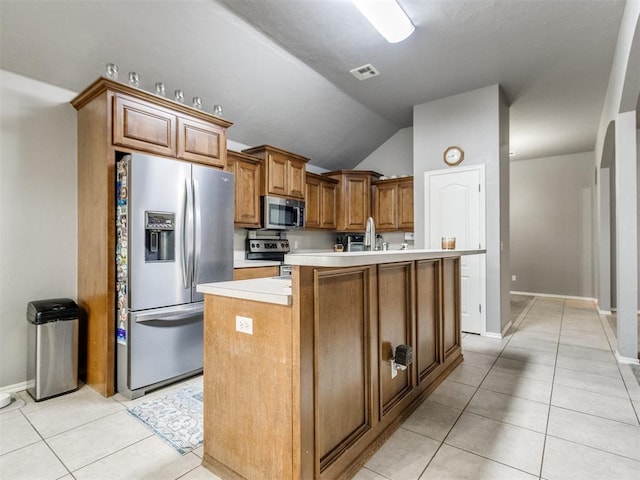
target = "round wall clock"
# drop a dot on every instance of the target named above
(453, 156)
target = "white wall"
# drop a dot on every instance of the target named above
(552, 211)
(393, 157)
(37, 210)
(624, 72)
(621, 102)
(474, 121)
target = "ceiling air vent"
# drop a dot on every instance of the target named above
(364, 72)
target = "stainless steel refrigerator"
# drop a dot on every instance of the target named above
(174, 230)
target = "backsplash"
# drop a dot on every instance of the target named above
(305, 240)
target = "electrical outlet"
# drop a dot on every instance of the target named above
(295, 244)
(244, 325)
(513, 278)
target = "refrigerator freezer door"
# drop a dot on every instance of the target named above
(165, 343)
(157, 185)
(213, 215)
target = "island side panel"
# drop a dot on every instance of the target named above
(395, 319)
(248, 390)
(342, 350)
(429, 354)
(451, 307)
(302, 287)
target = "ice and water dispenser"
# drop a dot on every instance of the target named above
(159, 236)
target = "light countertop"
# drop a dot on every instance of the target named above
(352, 259)
(278, 290)
(267, 290)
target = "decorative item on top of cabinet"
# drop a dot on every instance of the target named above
(115, 117)
(283, 172)
(354, 198)
(320, 202)
(393, 204)
(246, 169)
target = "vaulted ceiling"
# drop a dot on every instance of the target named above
(280, 68)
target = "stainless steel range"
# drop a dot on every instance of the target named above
(266, 245)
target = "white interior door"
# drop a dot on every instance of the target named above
(455, 207)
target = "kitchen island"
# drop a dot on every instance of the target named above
(300, 380)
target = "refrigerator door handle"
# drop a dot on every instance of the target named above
(187, 234)
(197, 230)
(169, 315)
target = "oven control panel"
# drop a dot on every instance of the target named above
(265, 246)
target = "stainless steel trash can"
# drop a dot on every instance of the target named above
(52, 347)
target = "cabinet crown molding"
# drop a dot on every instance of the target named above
(243, 156)
(270, 148)
(347, 172)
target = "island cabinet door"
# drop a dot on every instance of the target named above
(344, 408)
(394, 328)
(428, 331)
(451, 307)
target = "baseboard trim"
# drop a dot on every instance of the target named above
(500, 335)
(626, 360)
(506, 328)
(552, 295)
(613, 311)
(17, 387)
(495, 335)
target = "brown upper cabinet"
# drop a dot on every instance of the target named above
(354, 198)
(246, 170)
(320, 202)
(146, 126)
(114, 117)
(393, 204)
(283, 173)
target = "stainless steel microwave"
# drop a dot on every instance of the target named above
(282, 213)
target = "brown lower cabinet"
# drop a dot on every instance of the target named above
(310, 393)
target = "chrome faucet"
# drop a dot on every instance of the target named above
(370, 234)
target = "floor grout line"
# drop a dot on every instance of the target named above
(546, 430)
(505, 343)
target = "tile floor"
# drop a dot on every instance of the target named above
(547, 401)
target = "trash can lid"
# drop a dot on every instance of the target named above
(52, 310)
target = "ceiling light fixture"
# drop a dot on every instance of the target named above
(387, 17)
